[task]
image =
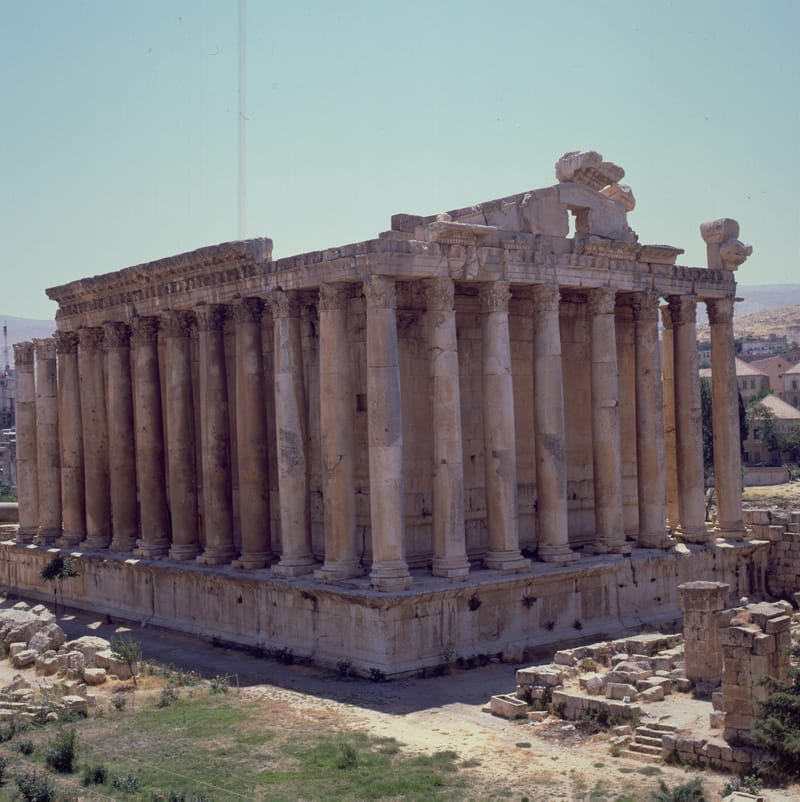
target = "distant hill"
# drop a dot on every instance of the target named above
(758, 297)
(20, 329)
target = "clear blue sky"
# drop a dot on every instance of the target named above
(119, 139)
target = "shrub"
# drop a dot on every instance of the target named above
(691, 791)
(119, 703)
(129, 652)
(25, 746)
(344, 668)
(128, 783)
(62, 751)
(168, 697)
(348, 757)
(220, 683)
(35, 786)
(94, 775)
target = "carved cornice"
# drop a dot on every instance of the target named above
(720, 310)
(334, 296)
(495, 297)
(177, 322)
(645, 306)
(45, 348)
(118, 335)
(247, 310)
(379, 292)
(91, 338)
(66, 342)
(145, 330)
(683, 309)
(226, 263)
(440, 294)
(284, 304)
(601, 301)
(23, 354)
(210, 317)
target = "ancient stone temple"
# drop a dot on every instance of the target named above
(462, 437)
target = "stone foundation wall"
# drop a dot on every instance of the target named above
(782, 530)
(396, 633)
(715, 753)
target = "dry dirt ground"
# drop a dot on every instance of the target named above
(550, 761)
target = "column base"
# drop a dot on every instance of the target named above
(620, 550)
(70, 539)
(510, 562)
(300, 566)
(96, 543)
(557, 554)
(27, 534)
(450, 569)
(48, 537)
(337, 570)
(183, 552)
(252, 561)
(693, 535)
(660, 540)
(390, 575)
(215, 557)
(732, 532)
(125, 544)
(150, 550)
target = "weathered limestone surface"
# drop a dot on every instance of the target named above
(471, 398)
(701, 602)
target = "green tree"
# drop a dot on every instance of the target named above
(793, 443)
(61, 567)
(763, 426)
(129, 652)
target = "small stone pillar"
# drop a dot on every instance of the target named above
(27, 474)
(700, 602)
(755, 643)
(47, 444)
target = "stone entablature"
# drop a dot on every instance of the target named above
(469, 392)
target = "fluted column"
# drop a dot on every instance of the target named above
(499, 433)
(25, 414)
(650, 476)
(725, 412)
(292, 436)
(251, 437)
(337, 422)
(73, 491)
(95, 438)
(670, 446)
(214, 437)
(449, 537)
(121, 449)
(548, 420)
(151, 476)
(606, 453)
(688, 422)
(385, 437)
(48, 461)
(181, 463)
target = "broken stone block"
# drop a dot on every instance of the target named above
(88, 646)
(76, 704)
(50, 636)
(592, 683)
(652, 695)
(508, 706)
(95, 676)
(16, 648)
(621, 690)
(105, 659)
(716, 719)
(24, 659)
(21, 605)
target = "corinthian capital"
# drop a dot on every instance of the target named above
(440, 294)
(645, 306)
(334, 296)
(720, 310)
(23, 354)
(380, 292)
(495, 296)
(683, 309)
(601, 301)
(118, 335)
(66, 342)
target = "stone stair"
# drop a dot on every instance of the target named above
(646, 742)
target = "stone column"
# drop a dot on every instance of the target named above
(499, 433)
(725, 413)
(337, 421)
(700, 602)
(214, 437)
(251, 437)
(606, 460)
(650, 474)
(449, 537)
(25, 413)
(48, 461)
(385, 437)
(151, 476)
(181, 462)
(95, 438)
(121, 450)
(670, 446)
(292, 436)
(688, 424)
(548, 417)
(73, 490)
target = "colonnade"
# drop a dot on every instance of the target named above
(108, 448)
